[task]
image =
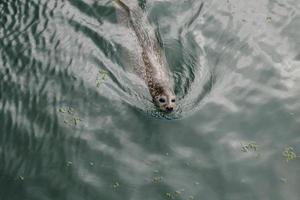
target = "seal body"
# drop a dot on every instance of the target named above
(156, 72)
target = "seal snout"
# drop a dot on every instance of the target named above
(166, 103)
(169, 108)
(164, 99)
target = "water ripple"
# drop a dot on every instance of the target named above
(65, 134)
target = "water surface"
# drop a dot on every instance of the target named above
(75, 124)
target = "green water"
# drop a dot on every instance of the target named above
(75, 125)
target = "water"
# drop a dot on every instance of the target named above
(74, 124)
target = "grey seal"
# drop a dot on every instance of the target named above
(156, 72)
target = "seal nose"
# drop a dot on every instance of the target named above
(169, 108)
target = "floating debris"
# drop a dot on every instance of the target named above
(70, 117)
(157, 179)
(191, 198)
(69, 163)
(176, 194)
(197, 183)
(91, 164)
(169, 195)
(284, 180)
(68, 110)
(101, 78)
(116, 185)
(73, 121)
(268, 19)
(71, 111)
(76, 120)
(289, 154)
(21, 178)
(62, 110)
(249, 147)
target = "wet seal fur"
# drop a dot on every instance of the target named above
(156, 73)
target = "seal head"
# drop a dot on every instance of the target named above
(164, 98)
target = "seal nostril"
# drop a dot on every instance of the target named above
(169, 108)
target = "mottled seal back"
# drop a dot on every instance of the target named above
(153, 69)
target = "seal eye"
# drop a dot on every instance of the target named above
(161, 100)
(173, 100)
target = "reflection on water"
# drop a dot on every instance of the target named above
(67, 131)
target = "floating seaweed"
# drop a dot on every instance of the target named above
(116, 185)
(289, 154)
(176, 194)
(69, 115)
(62, 110)
(249, 147)
(101, 77)
(169, 195)
(157, 179)
(76, 120)
(70, 111)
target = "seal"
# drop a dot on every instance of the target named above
(156, 73)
